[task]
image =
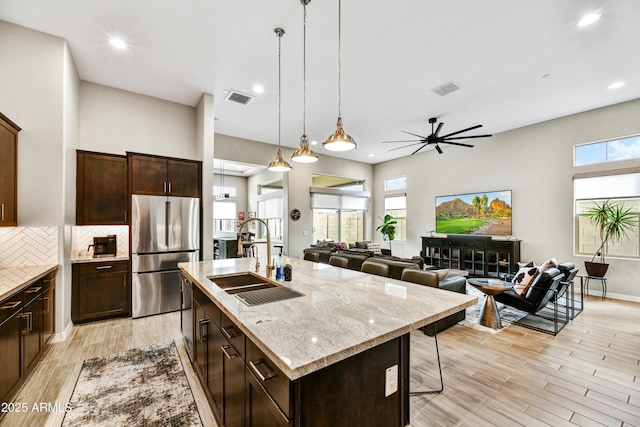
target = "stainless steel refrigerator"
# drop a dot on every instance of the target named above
(164, 232)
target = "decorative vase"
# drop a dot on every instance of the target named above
(596, 269)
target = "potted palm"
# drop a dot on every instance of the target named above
(614, 222)
(388, 228)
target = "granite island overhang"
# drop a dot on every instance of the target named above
(342, 313)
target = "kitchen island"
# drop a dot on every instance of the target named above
(337, 355)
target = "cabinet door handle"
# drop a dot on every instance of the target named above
(11, 305)
(257, 369)
(2, 212)
(33, 290)
(203, 335)
(225, 349)
(169, 185)
(104, 267)
(29, 326)
(45, 309)
(230, 332)
(24, 327)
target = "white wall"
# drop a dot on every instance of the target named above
(536, 163)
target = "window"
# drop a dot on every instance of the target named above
(396, 206)
(338, 214)
(397, 183)
(224, 216)
(607, 151)
(622, 189)
(270, 210)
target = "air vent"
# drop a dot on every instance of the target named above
(446, 88)
(238, 98)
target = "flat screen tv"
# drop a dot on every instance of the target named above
(486, 213)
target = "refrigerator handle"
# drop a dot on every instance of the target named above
(167, 221)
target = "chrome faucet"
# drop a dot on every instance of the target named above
(270, 266)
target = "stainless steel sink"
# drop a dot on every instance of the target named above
(241, 282)
(252, 289)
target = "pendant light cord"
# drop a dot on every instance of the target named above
(339, 56)
(304, 70)
(279, 82)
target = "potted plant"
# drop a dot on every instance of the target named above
(614, 222)
(388, 228)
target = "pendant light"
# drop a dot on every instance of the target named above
(279, 165)
(304, 154)
(339, 141)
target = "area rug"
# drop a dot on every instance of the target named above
(140, 387)
(508, 315)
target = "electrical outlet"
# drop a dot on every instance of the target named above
(391, 381)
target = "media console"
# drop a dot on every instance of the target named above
(481, 256)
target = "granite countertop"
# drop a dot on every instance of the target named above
(342, 313)
(90, 258)
(13, 279)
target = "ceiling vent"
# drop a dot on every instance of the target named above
(238, 98)
(446, 88)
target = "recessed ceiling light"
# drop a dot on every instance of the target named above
(314, 142)
(370, 155)
(258, 89)
(616, 85)
(117, 43)
(589, 19)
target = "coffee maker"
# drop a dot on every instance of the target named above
(104, 246)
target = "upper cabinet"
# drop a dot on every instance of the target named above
(8, 172)
(164, 176)
(102, 194)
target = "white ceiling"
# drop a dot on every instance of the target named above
(393, 54)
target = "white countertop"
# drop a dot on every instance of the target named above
(12, 279)
(343, 312)
(90, 258)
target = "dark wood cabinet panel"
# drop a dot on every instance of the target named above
(26, 326)
(99, 291)
(260, 411)
(159, 176)
(102, 192)
(10, 335)
(8, 172)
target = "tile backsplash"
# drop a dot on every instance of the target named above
(82, 237)
(27, 246)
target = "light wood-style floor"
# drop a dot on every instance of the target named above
(588, 375)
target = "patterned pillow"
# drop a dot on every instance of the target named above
(375, 247)
(524, 278)
(550, 263)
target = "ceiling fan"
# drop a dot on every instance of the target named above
(436, 139)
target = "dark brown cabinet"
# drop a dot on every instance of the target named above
(100, 290)
(102, 192)
(26, 326)
(160, 176)
(480, 256)
(8, 172)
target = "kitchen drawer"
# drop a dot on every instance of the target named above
(103, 267)
(231, 332)
(11, 305)
(32, 292)
(212, 310)
(274, 381)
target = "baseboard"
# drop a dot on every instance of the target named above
(622, 297)
(62, 336)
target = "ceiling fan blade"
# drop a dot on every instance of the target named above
(424, 145)
(470, 137)
(405, 146)
(416, 135)
(438, 129)
(457, 143)
(438, 149)
(402, 140)
(463, 130)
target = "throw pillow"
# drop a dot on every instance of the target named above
(341, 246)
(526, 264)
(550, 263)
(375, 247)
(523, 279)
